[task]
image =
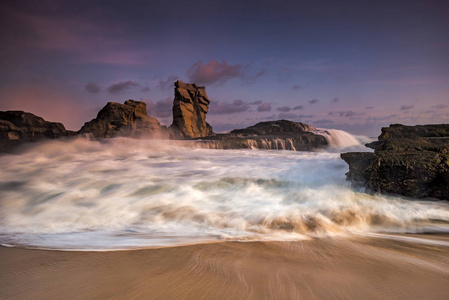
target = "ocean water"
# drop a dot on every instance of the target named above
(124, 193)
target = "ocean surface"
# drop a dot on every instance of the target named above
(124, 193)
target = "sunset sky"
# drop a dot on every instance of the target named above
(351, 65)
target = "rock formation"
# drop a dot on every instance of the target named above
(411, 161)
(275, 127)
(190, 107)
(129, 119)
(272, 135)
(18, 127)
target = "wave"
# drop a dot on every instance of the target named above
(340, 140)
(125, 193)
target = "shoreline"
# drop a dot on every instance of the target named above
(319, 268)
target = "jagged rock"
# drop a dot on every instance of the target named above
(190, 107)
(359, 167)
(18, 127)
(272, 135)
(408, 160)
(129, 119)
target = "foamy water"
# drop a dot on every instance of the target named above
(124, 193)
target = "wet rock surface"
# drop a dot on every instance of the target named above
(412, 161)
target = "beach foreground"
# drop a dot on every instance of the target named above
(350, 268)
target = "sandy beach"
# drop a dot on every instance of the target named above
(362, 268)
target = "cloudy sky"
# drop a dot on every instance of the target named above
(349, 64)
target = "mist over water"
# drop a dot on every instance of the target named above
(125, 193)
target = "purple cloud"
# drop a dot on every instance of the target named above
(298, 107)
(407, 107)
(348, 113)
(369, 107)
(220, 72)
(296, 87)
(92, 88)
(384, 118)
(439, 106)
(313, 101)
(264, 107)
(284, 108)
(122, 86)
(335, 100)
(291, 116)
(167, 84)
(161, 108)
(250, 79)
(220, 108)
(323, 122)
(255, 102)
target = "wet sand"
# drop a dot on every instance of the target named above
(362, 268)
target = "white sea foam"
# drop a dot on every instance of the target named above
(341, 141)
(124, 193)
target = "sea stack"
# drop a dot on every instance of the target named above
(412, 161)
(190, 107)
(129, 119)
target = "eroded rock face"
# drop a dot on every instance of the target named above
(408, 160)
(272, 135)
(129, 119)
(17, 127)
(190, 107)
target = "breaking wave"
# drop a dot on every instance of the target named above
(124, 193)
(343, 141)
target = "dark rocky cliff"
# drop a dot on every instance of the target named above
(411, 161)
(18, 127)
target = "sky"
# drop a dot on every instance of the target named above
(350, 65)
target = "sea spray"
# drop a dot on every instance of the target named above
(126, 193)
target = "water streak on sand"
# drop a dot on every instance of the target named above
(124, 193)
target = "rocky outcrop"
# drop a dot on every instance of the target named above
(190, 107)
(411, 161)
(18, 127)
(272, 135)
(129, 119)
(275, 127)
(398, 131)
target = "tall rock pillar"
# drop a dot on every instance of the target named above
(190, 107)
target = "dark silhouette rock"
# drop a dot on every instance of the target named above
(18, 127)
(413, 132)
(408, 160)
(129, 119)
(190, 107)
